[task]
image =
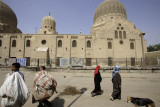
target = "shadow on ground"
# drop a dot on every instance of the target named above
(58, 102)
(81, 92)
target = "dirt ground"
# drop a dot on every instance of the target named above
(144, 85)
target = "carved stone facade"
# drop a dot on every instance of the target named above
(112, 36)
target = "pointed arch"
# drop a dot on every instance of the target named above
(131, 45)
(124, 35)
(116, 34)
(88, 44)
(13, 43)
(28, 43)
(109, 45)
(74, 43)
(120, 34)
(59, 43)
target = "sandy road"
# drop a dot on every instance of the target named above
(146, 85)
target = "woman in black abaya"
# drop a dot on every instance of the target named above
(116, 80)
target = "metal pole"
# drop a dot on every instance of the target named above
(142, 35)
(10, 46)
(37, 64)
(126, 62)
(24, 46)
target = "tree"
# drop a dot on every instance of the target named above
(151, 48)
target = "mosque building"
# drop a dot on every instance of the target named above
(113, 40)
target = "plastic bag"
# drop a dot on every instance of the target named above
(15, 90)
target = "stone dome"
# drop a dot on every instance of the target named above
(7, 16)
(110, 7)
(48, 25)
(48, 21)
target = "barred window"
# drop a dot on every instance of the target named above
(88, 62)
(131, 45)
(74, 43)
(124, 34)
(0, 43)
(116, 34)
(132, 61)
(28, 43)
(109, 45)
(120, 34)
(109, 61)
(58, 61)
(14, 43)
(88, 44)
(59, 43)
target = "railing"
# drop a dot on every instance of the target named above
(81, 62)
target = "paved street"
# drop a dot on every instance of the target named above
(146, 85)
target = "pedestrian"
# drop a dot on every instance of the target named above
(15, 68)
(97, 81)
(116, 80)
(43, 87)
(14, 91)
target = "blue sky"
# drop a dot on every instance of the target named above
(73, 15)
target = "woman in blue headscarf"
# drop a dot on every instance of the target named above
(116, 80)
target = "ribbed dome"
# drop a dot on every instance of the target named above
(48, 25)
(7, 16)
(48, 21)
(110, 7)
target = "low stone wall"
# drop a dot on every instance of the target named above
(155, 54)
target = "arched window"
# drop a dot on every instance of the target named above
(124, 34)
(59, 43)
(120, 34)
(44, 32)
(88, 44)
(116, 34)
(109, 45)
(74, 43)
(131, 45)
(14, 43)
(28, 43)
(0, 43)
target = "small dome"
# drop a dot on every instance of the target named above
(48, 21)
(7, 16)
(48, 25)
(110, 7)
